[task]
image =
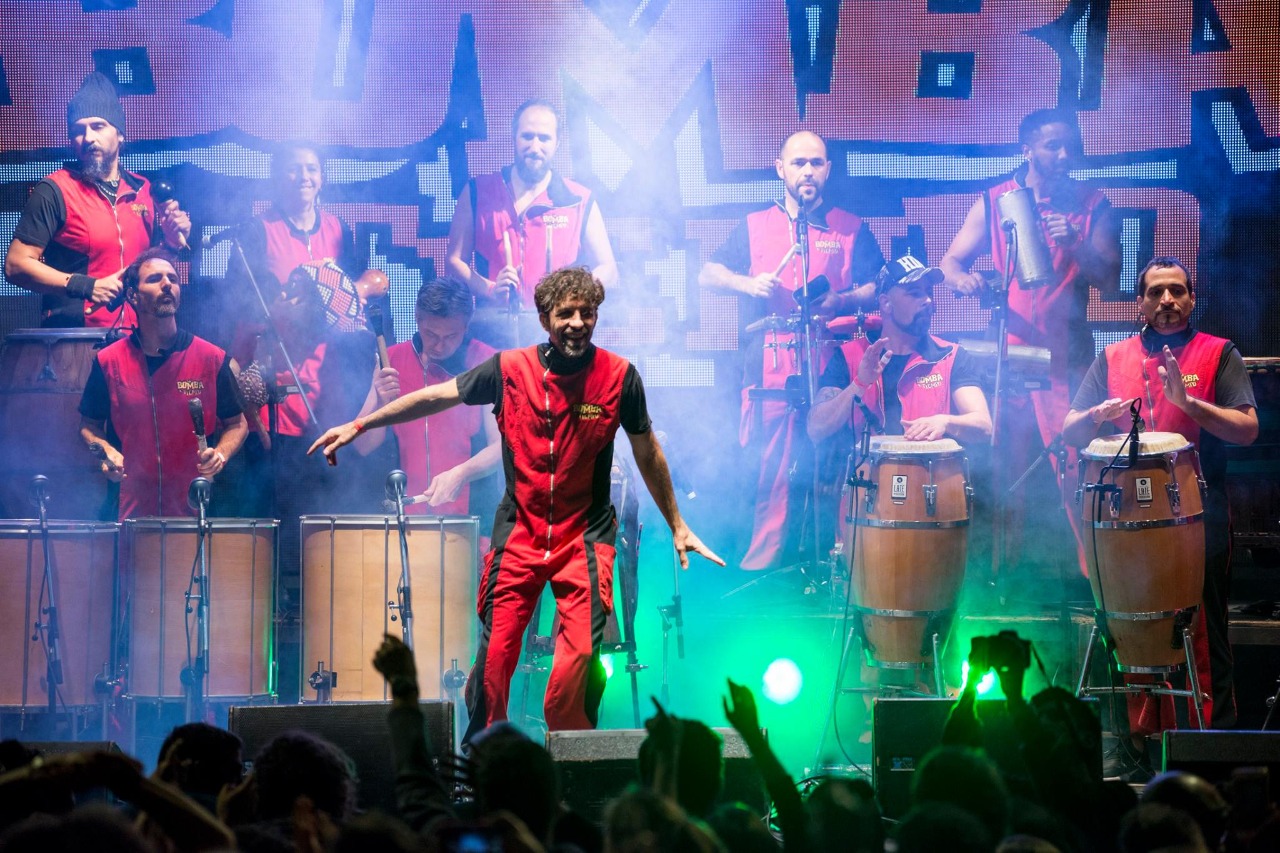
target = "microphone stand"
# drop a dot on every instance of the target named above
(197, 670)
(1000, 310)
(807, 363)
(404, 594)
(50, 627)
(672, 617)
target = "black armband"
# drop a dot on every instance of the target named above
(80, 286)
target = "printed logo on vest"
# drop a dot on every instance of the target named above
(555, 220)
(830, 247)
(932, 380)
(191, 387)
(588, 411)
(1190, 380)
(140, 209)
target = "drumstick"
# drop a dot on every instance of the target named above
(786, 259)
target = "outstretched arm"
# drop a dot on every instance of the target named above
(410, 407)
(652, 463)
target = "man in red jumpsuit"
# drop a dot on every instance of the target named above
(558, 405)
(757, 262)
(1196, 385)
(438, 453)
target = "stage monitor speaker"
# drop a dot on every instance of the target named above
(358, 728)
(596, 766)
(906, 730)
(1213, 755)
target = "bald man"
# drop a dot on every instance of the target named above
(751, 264)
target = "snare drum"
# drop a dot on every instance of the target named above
(910, 531)
(1144, 544)
(42, 375)
(83, 558)
(161, 553)
(350, 574)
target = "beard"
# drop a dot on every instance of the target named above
(532, 174)
(96, 165)
(919, 325)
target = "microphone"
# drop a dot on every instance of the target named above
(682, 485)
(1020, 218)
(802, 237)
(231, 232)
(868, 415)
(39, 484)
(1138, 424)
(396, 482)
(198, 492)
(162, 192)
(196, 408)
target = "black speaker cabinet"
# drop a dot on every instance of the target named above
(596, 766)
(67, 747)
(1214, 754)
(358, 728)
(906, 730)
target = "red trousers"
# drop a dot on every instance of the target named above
(515, 573)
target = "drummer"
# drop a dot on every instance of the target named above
(1194, 384)
(938, 392)
(757, 262)
(512, 227)
(140, 387)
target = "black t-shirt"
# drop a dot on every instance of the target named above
(1232, 388)
(965, 373)
(482, 386)
(95, 403)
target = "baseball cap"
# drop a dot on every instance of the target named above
(906, 270)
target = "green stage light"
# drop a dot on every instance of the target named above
(782, 681)
(986, 684)
(607, 662)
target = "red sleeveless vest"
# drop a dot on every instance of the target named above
(1133, 373)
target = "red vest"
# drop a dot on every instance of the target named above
(924, 388)
(554, 426)
(1044, 316)
(558, 214)
(285, 252)
(432, 445)
(149, 413)
(771, 233)
(110, 237)
(1133, 373)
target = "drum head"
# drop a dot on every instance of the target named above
(1150, 444)
(897, 445)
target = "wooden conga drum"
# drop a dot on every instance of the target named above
(1144, 544)
(910, 534)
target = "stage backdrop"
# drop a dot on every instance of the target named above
(674, 112)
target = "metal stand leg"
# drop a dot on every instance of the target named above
(836, 690)
(1193, 680)
(937, 668)
(1088, 661)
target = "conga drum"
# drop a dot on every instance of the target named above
(910, 535)
(161, 554)
(42, 375)
(1144, 544)
(351, 574)
(83, 560)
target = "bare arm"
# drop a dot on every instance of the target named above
(970, 242)
(233, 433)
(599, 250)
(462, 241)
(384, 389)
(446, 485)
(1081, 426)
(419, 404)
(95, 432)
(652, 463)
(830, 413)
(719, 277)
(24, 266)
(1099, 254)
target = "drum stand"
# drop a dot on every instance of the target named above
(197, 668)
(1192, 691)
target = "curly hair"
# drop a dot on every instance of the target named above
(297, 763)
(567, 283)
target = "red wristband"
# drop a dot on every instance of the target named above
(358, 424)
